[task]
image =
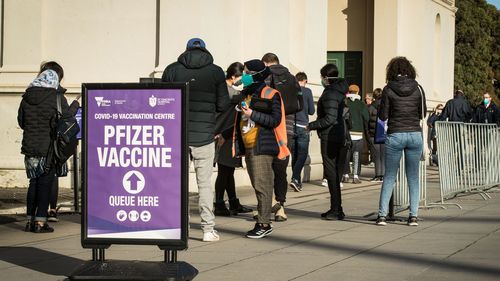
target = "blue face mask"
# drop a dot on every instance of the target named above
(486, 101)
(246, 79)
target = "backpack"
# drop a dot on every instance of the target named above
(64, 135)
(290, 92)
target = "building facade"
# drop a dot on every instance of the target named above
(124, 40)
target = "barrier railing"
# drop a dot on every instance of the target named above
(401, 189)
(468, 157)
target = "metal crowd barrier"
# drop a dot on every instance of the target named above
(468, 157)
(401, 191)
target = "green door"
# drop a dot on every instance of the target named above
(350, 65)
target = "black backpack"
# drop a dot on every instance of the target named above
(290, 92)
(64, 135)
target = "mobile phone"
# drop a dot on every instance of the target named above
(243, 104)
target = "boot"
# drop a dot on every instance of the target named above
(235, 207)
(220, 209)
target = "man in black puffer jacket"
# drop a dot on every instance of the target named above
(207, 96)
(457, 109)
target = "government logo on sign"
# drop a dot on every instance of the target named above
(152, 101)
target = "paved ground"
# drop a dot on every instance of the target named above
(449, 244)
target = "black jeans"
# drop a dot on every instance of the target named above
(299, 149)
(38, 196)
(224, 183)
(280, 181)
(54, 193)
(334, 157)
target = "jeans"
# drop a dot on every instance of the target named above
(38, 197)
(354, 153)
(299, 148)
(202, 158)
(395, 144)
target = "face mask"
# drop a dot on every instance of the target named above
(246, 79)
(486, 101)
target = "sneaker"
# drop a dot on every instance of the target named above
(295, 184)
(333, 215)
(280, 215)
(45, 228)
(412, 221)
(381, 221)
(345, 178)
(52, 217)
(374, 179)
(356, 180)
(324, 183)
(211, 236)
(260, 231)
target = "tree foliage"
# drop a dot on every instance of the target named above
(477, 51)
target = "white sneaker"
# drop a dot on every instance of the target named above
(211, 236)
(324, 183)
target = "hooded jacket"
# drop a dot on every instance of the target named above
(37, 116)
(401, 103)
(359, 113)
(207, 92)
(457, 109)
(330, 109)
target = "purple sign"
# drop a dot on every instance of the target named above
(134, 163)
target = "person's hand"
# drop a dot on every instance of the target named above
(246, 111)
(220, 140)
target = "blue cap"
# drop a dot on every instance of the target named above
(195, 43)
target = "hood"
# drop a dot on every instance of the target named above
(195, 58)
(36, 95)
(340, 85)
(353, 97)
(278, 69)
(403, 86)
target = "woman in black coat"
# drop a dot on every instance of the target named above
(37, 117)
(332, 132)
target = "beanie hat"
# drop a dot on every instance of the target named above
(259, 69)
(195, 43)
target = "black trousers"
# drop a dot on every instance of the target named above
(334, 157)
(224, 183)
(38, 196)
(54, 193)
(280, 179)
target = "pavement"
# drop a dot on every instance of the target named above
(449, 244)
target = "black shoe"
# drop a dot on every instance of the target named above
(52, 217)
(333, 215)
(235, 207)
(374, 179)
(220, 209)
(260, 231)
(45, 228)
(295, 184)
(381, 221)
(412, 221)
(30, 227)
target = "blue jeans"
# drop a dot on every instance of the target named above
(395, 144)
(299, 148)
